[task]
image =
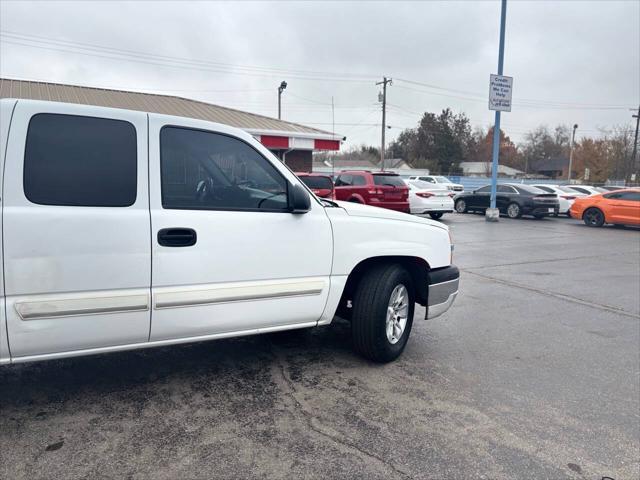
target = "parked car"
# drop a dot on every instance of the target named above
(426, 198)
(620, 207)
(611, 188)
(321, 185)
(585, 189)
(379, 189)
(565, 200)
(113, 217)
(439, 180)
(514, 200)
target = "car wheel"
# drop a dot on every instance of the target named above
(383, 313)
(461, 206)
(593, 217)
(355, 200)
(514, 211)
(436, 215)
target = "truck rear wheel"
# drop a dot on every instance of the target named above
(382, 313)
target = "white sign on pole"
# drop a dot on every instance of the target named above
(500, 88)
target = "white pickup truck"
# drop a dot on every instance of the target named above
(123, 230)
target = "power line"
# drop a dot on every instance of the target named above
(101, 51)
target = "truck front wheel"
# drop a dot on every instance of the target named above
(382, 313)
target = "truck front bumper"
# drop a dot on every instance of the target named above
(443, 290)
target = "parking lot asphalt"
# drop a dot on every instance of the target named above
(534, 373)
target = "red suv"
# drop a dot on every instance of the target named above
(379, 189)
(321, 185)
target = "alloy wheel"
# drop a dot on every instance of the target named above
(397, 313)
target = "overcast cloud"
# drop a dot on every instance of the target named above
(572, 62)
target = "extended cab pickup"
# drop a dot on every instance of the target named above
(124, 229)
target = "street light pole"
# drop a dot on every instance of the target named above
(573, 141)
(635, 148)
(493, 214)
(281, 88)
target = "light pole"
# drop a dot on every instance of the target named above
(492, 214)
(281, 88)
(573, 141)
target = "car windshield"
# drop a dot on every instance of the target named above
(441, 179)
(393, 180)
(317, 182)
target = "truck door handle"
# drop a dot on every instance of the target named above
(177, 237)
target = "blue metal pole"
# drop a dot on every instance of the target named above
(496, 128)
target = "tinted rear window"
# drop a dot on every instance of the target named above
(545, 188)
(80, 161)
(530, 189)
(394, 180)
(317, 182)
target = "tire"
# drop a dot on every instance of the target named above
(369, 317)
(593, 217)
(355, 200)
(514, 210)
(461, 206)
(436, 216)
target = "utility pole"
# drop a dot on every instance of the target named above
(333, 132)
(573, 142)
(281, 88)
(384, 82)
(635, 162)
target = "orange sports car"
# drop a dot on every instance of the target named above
(620, 207)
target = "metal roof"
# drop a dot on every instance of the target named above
(151, 102)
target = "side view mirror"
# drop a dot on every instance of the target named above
(299, 200)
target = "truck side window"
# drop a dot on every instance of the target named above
(80, 161)
(203, 170)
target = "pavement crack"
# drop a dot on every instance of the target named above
(560, 296)
(317, 427)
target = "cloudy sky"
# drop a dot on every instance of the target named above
(572, 61)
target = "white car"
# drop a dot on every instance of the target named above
(439, 180)
(124, 230)
(585, 189)
(426, 198)
(565, 199)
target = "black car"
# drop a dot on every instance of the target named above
(514, 200)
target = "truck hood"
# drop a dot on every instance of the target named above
(359, 210)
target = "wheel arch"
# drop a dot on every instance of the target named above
(417, 267)
(356, 199)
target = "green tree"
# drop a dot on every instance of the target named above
(439, 142)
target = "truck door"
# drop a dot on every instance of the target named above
(227, 255)
(77, 255)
